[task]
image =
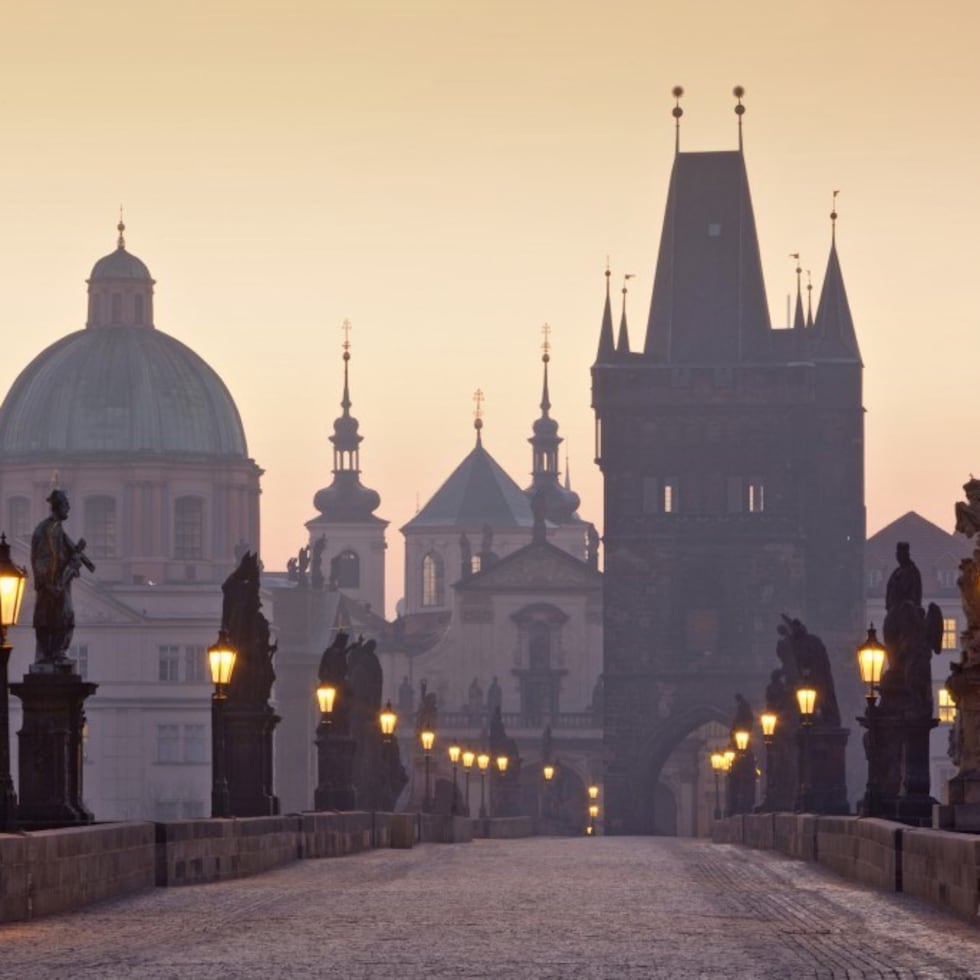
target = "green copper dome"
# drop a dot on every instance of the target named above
(128, 389)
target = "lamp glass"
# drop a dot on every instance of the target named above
(593, 792)
(548, 772)
(729, 756)
(428, 739)
(806, 698)
(871, 659)
(467, 756)
(741, 740)
(221, 660)
(12, 580)
(483, 760)
(388, 720)
(454, 753)
(594, 810)
(768, 722)
(326, 695)
(717, 761)
(502, 763)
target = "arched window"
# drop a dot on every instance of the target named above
(539, 646)
(432, 580)
(347, 570)
(19, 519)
(138, 309)
(189, 528)
(117, 307)
(100, 526)
(95, 310)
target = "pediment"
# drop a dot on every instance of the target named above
(537, 567)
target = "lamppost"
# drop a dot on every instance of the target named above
(743, 777)
(548, 772)
(221, 660)
(427, 738)
(501, 805)
(323, 795)
(468, 757)
(483, 763)
(454, 753)
(768, 720)
(729, 756)
(871, 662)
(806, 698)
(388, 720)
(718, 767)
(12, 579)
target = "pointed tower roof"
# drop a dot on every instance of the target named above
(606, 346)
(559, 504)
(834, 327)
(709, 298)
(346, 501)
(623, 341)
(809, 299)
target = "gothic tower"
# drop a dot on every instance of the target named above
(732, 456)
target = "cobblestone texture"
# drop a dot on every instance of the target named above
(540, 909)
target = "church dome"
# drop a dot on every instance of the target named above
(120, 264)
(129, 389)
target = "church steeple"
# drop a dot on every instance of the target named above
(560, 504)
(606, 346)
(834, 327)
(798, 320)
(623, 342)
(345, 499)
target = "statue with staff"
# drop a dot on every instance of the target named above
(56, 562)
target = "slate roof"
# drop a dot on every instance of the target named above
(477, 492)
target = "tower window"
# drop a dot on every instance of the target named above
(100, 526)
(432, 580)
(669, 498)
(95, 310)
(756, 496)
(138, 309)
(949, 634)
(346, 569)
(117, 307)
(189, 529)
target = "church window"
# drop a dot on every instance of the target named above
(19, 518)
(189, 529)
(949, 634)
(100, 526)
(670, 497)
(195, 664)
(95, 310)
(138, 309)
(756, 496)
(168, 743)
(432, 580)
(347, 570)
(117, 307)
(539, 646)
(476, 563)
(168, 663)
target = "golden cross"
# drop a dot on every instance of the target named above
(345, 326)
(546, 332)
(478, 399)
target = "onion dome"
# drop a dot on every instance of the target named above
(346, 501)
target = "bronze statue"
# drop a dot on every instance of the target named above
(56, 562)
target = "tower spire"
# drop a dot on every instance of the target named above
(607, 346)
(833, 219)
(623, 343)
(677, 91)
(809, 299)
(478, 398)
(545, 358)
(738, 92)
(798, 321)
(345, 402)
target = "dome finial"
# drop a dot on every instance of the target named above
(833, 219)
(677, 91)
(121, 227)
(478, 398)
(738, 92)
(346, 402)
(545, 358)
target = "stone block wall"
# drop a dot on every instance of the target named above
(943, 869)
(865, 850)
(49, 871)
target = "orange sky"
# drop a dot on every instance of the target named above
(451, 174)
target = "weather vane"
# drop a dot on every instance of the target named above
(346, 327)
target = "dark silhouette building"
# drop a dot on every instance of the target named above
(733, 463)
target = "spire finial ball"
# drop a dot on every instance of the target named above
(738, 91)
(677, 91)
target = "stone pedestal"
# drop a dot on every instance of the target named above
(825, 748)
(335, 763)
(964, 685)
(50, 749)
(248, 760)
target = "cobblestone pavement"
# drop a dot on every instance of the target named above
(609, 907)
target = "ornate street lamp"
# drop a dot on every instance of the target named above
(468, 757)
(483, 763)
(718, 766)
(12, 581)
(593, 814)
(593, 792)
(768, 720)
(871, 659)
(454, 753)
(427, 738)
(806, 699)
(388, 720)
(548, 772)
(326, 695)
(221, 660)
(741, 740)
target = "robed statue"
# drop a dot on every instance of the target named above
(56, 562)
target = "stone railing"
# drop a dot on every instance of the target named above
(515, 721)
(938, 866)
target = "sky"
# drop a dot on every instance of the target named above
(449, 175)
